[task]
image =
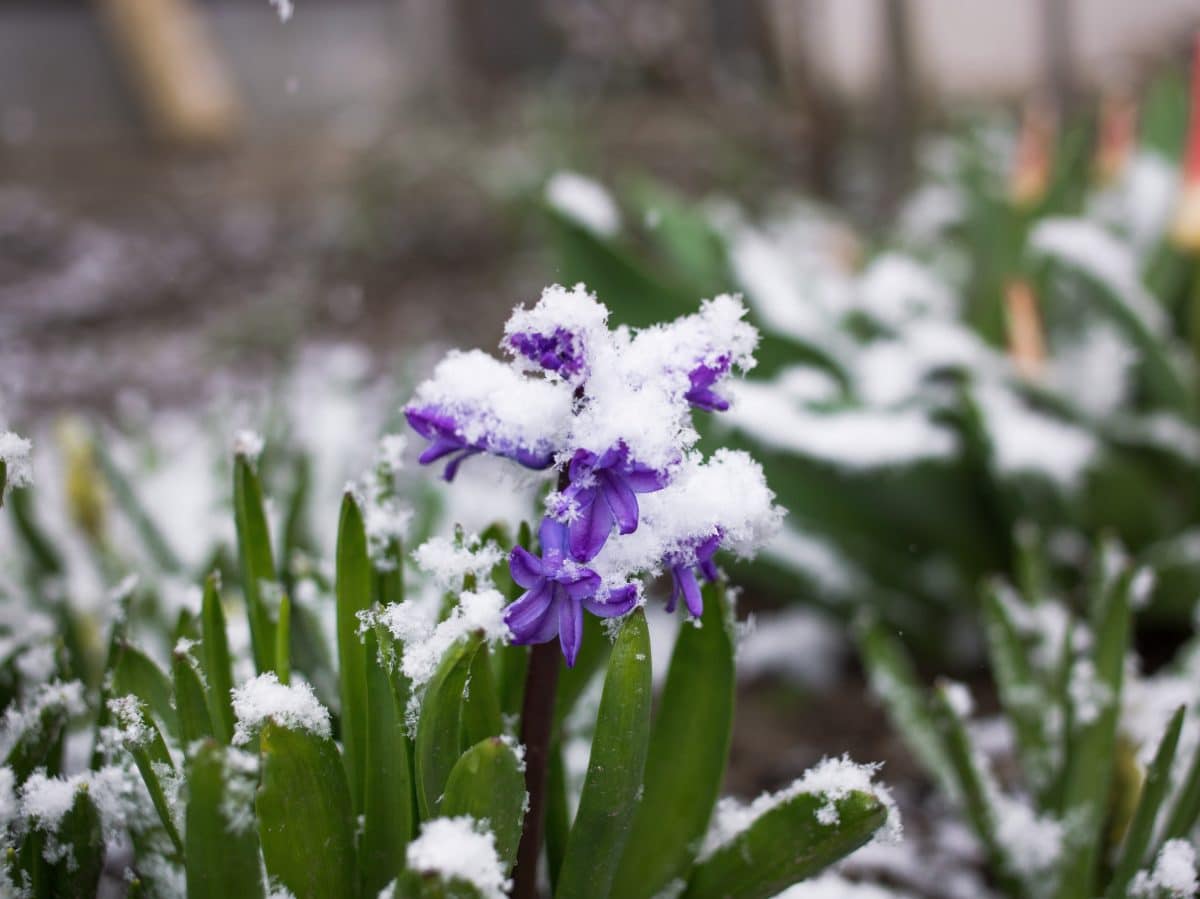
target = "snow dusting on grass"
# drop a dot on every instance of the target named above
(264, 698)
(14, 453)
(585, 202)
(1173, 875)
(459, 849)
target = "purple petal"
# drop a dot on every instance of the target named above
(642, 479)
(441, 446)
(452, 467)
(676, 592)
(619, 602)
(526, 568)
(526, 617)
(552, 537)
(583, 586)
(691, 591)
(570, 629)
(581, 465)
(622, 501)
(587, 533)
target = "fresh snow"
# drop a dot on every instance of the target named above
(462, 849)
(264, 698)
(585, 202)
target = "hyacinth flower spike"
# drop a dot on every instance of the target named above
(683, 577)
(557, 591)
(602, 493)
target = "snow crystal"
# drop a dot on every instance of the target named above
(1141, 587)
(46, 800)
(459, 848)
(37, 664)
(293, 706)
(131, 727)
(241, 782)
(575, 314)
(248, 444)
(390, 454)
(1174, 874)
(14, 453)
(9, 806)
(832, 779)
(27, 717)
(585, 202)
(448, 561)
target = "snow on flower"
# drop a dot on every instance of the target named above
(611, 411)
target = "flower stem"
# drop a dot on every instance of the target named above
(537, 720)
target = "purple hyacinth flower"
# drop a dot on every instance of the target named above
(683, 575)
(444, 434)
(557, 591)
(702, 378)
(557, 352)
(603, 492)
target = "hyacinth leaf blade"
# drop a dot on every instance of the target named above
(594, 652)
(685, 238)
(353, 592)
(481, 716)
(283, 640)
(388, 802)
(136, 673)
(487, 783)
(305, 819)
(894, 679)
(613, 785)
(150, 756)
(76, 873)
(1186, 810)
(1140, 834)
(1092, 757)
(1163, 380)
(127, 498)
(689, 745)
(222, 860)
(256, 559)
(191, 704)
(40, 745)
(1020, 691)
(432, 885)
(558, 813)
(218, 667)
(440, 725)
(970, 781)
(786, 845)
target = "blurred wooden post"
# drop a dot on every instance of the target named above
(897, 111)
(175, 68)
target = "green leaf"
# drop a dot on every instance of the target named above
(305, 819)
(1186, 809)
(191, 703)
(439, 727)
(222, 845)
(388, 798)
(613, 785)
(256, 558)
(353, 596)
(785, 845)
(218, 668)
(481, 704)
(1090, 763)
(283, 641)
(894, 681)
(134, 673)
(688, 749)
(558, 813)
(594, 652)
(77, 874)
(150, 755)
(488, 784)
(41, 744)
(126, 496)
(1141, 831)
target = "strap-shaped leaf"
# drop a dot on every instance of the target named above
(41, 744)
(135, 673)
(439, 727)
(593, 655)
(256, 559)
(894, 681)
(218, 668)
(387, 779)
(131, 504)
(688, 749)
(481, 704)
(558, 813)
(305, 820)
(150, 755)
(191, 703)
(613, 784)
(1186, 809)
(488, 784)
(76, 873)
(1090, 763)
(786, 845)
(221, 843)
(353, 596)
(1141, 831)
